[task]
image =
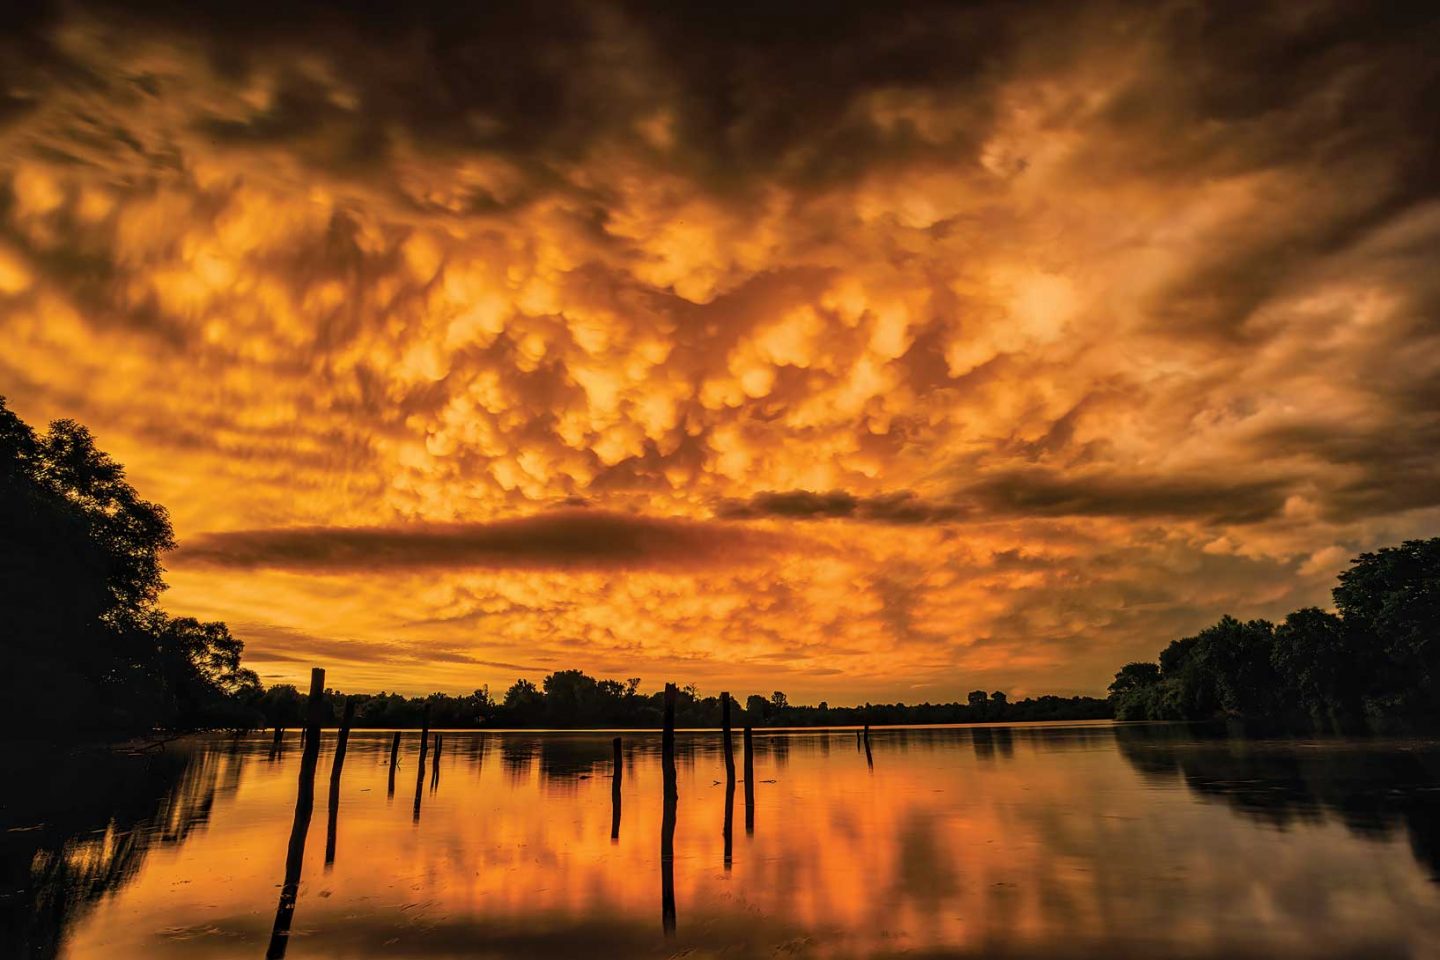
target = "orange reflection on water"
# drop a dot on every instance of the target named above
(1026, 841)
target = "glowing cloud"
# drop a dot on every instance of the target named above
(895, 350)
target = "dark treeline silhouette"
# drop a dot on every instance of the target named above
(87, 648)
(570, 698)
(1373, 664)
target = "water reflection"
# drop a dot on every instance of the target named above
(1375, 790)
(76, 825)
(749, 782)
(616, 776)
(1081, 840)
(394, 764)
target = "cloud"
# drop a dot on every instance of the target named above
(1039, 492)
(569, 539)
(1079, 308)
(902, 507)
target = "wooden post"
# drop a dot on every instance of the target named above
(667, 743)
(869, 758)
(726, 741)
(342, 741)
(615, 791)
(749, 782)
(300, 828)
(435, 763)
(394, 761)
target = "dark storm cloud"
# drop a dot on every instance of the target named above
(1034, 492)
(903, 507)
(760, 86)
(577, 539)
(1041, 492)
(273, 644)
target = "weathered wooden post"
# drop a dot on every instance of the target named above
(342, 741)
(727, 743)
(749, 782)
(304, 808)
(276, 742)
(869, 758)
(667, 821)
(667, 743)
(615, 791)
(394, 762)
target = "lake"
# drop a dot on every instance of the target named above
(1064, 840)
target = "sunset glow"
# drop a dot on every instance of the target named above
(860, 356)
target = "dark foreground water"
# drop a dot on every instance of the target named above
(1028, 841)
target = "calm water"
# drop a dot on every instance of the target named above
(1030, 841)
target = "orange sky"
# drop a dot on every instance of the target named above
(868, 354)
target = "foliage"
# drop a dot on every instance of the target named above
(88, 649)
(1391, 601)
(570, 698)
(1375, 661)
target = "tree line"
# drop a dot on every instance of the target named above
(1373, 664)
(571, 698)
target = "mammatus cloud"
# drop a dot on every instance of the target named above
(1031, 335)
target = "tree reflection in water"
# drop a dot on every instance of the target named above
(77, 824)
(1373, 787)
(1016, 841)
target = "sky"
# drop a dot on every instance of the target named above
(867, 352)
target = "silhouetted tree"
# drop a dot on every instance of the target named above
(80, 575)
(523, 701)
(1377, 659)
(1390, 599)
(1320, 668)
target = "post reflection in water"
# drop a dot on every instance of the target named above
(1030, 842)
(342, 741)
(671, 796)
(729, 831)
(394, 763)
(420, 764)
(749, 782)
(615, 791)
(304, 807)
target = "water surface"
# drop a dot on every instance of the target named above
(1068, 840)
